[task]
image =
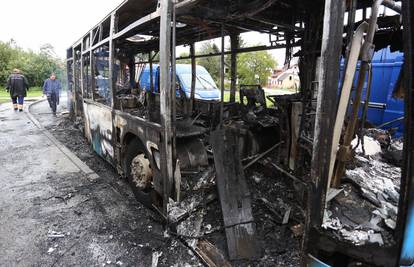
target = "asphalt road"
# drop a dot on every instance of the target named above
(52, 214)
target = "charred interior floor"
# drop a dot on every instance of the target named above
(243, 181)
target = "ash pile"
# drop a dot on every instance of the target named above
(364, 210)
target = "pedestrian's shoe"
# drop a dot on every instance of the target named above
(20, 110)
(15, 107)
(54, 114)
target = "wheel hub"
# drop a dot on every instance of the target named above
(141, 172)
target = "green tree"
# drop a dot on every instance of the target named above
(212, 64)
(6, 55)
(36, 66)
(255, 67)
(249, 65)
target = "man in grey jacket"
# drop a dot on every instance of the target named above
(51, 88)
(17, 86)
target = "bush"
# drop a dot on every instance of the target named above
(36, 66)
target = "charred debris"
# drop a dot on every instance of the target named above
(242, 181)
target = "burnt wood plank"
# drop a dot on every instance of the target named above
(234, 196)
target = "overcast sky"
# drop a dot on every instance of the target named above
(32, 23)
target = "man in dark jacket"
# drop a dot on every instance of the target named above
(51, 88)
(17, 86)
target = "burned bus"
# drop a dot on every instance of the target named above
(309, 161)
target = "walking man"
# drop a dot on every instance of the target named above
(51, 89)
(17, 86)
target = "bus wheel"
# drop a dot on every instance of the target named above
(139, 173)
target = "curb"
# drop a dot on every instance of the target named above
(91, 175)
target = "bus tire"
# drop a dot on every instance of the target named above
(147, 196)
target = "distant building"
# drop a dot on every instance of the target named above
(272, 80)
(285, 79)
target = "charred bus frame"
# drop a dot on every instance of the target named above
(112, 33)
(316, 27)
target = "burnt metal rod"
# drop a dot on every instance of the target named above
(159, 212)
(196, 118)
(155, 55)
(165, 101)
(349, 34)
(262, 155)
(75, 97)
(173, 58)
(222, 76)
(151, 72)
(289, 175)
(234, 40)
(92, 66)
(193, 78)
(365, 108)
(174, 85)
(390, 122)
(367, 97)
(82, 65)
(111, 63)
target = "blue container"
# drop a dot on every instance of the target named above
(383, 107)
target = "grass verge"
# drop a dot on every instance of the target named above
(33, 92)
